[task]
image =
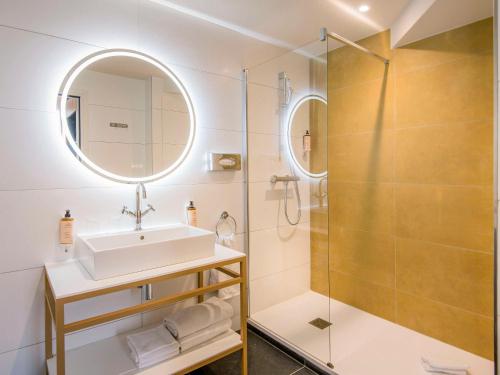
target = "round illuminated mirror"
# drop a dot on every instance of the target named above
(126, 116)
(307, 135)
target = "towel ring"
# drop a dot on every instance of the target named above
(224, 218)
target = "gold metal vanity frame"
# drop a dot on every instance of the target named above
(54, 309)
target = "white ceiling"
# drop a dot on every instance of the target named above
(293, 23)
(245, 33)
(444, 15)
(297, 22)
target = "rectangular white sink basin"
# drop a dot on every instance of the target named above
(114, 254)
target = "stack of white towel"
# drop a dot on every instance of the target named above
(151, 346)
(199, 323)
(181, 331)
(440, 368)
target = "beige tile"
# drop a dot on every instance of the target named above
(374, 97)
(364, 295)
(362, 206)
(445, 47)
(361, 157)
(319, 251)
(435, 131)
(471, 332)
(459, 91)
(319, 271)
(364, 255)
(451, 215)
(347, 65)
(458, 277)
(459, 154)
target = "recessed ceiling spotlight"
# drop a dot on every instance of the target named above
(364, 8)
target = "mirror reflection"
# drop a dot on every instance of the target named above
(128, 117)
(308, 135)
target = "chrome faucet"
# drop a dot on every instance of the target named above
(138, 214)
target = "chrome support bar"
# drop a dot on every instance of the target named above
(147, 292)
(324, 33)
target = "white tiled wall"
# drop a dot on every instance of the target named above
(279, 252)
(40, 178)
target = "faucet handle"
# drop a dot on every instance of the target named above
(126, 211)
(147, 210)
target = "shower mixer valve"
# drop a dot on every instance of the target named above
(286, 178)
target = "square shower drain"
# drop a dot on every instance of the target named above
(320, 323)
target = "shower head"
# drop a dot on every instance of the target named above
(285, 89)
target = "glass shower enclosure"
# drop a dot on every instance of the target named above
(357, 249)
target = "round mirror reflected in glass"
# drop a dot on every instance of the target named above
(126, 116)
(307, 135)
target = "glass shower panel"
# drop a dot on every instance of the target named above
(288, 200)
(400, 157)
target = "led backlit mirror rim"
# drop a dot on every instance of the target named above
(289, 135)
(68, 81)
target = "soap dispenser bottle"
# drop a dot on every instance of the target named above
(66, 229)
(192, 217)
(306, 141)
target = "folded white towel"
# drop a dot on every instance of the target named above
(440, 368)
(152, 345)
(205, 334)
(150, 361)
(195, 318)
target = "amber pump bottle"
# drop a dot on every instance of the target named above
(66, 229)
(192, 217)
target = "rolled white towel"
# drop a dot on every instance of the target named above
(205, 334)
(195, 318)
(152, 345)
(441, 368)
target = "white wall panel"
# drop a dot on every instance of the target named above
(106, 23)
(31, 75)
(40, 177)
(278, 249)
(278, 287)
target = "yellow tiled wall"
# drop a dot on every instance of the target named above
(410, 185)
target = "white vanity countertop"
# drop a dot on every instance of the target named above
(70, 278)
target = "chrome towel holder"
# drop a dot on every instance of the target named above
(225, 218)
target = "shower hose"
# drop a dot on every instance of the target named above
(299, 204)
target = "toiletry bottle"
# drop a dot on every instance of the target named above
(192, 217)
(306, 141)
(66, 229)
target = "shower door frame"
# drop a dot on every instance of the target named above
(496, 192)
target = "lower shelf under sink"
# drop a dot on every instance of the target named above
(111, 356)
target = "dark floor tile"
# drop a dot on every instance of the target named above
(263, 359)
